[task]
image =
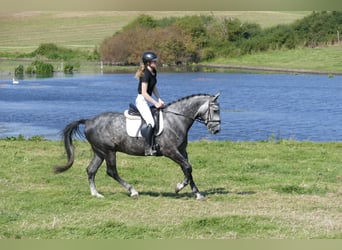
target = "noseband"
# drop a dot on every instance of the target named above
(209, 118)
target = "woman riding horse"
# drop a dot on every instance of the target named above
(107, 135)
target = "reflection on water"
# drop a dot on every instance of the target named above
(253, 106)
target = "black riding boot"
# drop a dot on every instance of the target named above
(147, 133)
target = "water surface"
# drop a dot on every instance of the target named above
(253, 106)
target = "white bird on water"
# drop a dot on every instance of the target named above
(15, 81)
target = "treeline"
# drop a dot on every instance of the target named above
(191, 39)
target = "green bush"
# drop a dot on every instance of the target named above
(40, 68)
(43, 68)
(30, 69)
(68, 68)
(45, 49)
(13, 138)
(54, 52)
(208, 54)
(143, 21)
(318, 28)
(19, 71)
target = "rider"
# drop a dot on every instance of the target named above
(147, 76)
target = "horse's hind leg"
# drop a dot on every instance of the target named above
(91, 170)
(112, 171)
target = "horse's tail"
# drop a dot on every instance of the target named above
(68, 132)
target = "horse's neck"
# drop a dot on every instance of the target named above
(183, 114)
(187, 107)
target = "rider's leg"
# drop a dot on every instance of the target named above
(147, 133)
(145, 112)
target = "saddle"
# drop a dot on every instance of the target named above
(134, 121)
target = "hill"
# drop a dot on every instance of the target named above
(24, 31)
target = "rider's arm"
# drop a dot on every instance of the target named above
(146, 95)
(156, 93)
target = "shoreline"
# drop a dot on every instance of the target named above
(270, 69)
(94, 67)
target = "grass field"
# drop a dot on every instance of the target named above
(255, 190)
(316, 59)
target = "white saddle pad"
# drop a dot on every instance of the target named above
(133, 124)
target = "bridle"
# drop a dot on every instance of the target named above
(208, 119)
(211, 106)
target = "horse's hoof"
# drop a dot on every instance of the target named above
(200, 196)
(134, 194)
(179, 187)
(97, 195)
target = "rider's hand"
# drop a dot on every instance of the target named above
(160, 103)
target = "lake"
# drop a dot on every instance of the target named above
(253, 106)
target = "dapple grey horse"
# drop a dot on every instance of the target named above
(107, 135)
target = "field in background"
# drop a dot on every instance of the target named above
(25, 31)
(320, 59)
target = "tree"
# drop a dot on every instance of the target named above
(171, 44)
(143, 21)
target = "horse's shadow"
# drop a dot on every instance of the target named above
(207, 193)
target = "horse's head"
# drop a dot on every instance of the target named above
(209, 114)
(201, 107)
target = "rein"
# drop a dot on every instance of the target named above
(199, 119)
(179, 114)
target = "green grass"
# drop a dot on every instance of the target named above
(318, 59)
(24, 32)
(255, 190)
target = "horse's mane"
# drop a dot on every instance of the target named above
(185, 98)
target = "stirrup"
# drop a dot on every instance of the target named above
(150, 152)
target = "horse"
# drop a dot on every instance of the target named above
(107, 135)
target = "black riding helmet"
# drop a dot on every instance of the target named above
(149, 56)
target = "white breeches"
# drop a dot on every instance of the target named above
(144, 109)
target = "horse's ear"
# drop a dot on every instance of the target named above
(216, 96)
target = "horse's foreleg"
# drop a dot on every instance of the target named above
(187, 170)
(91, 170)
(193, 186)
(185, 182)
(182, 160)
(112, 171)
